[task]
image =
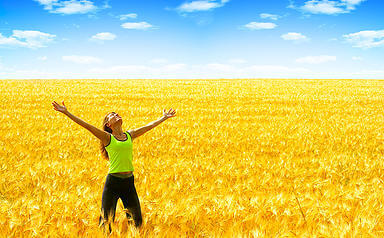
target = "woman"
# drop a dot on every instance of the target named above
(116, 146)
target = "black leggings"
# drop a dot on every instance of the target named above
(123, 188)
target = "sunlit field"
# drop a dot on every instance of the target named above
(242, 158)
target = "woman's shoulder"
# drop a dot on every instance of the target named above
(129, 132)
(110, 139)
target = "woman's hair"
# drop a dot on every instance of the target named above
(104, 152)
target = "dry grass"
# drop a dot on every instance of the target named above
(243, 158)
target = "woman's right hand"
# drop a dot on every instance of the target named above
(58, 107)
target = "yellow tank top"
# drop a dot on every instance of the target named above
(120, 154)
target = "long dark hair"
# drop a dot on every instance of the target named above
(104, 152)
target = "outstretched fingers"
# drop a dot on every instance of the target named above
(170, 113)
(57, 106)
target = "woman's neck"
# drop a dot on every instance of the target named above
(121, 132)
(117, 131)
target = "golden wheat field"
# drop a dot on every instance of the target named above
(242, 157)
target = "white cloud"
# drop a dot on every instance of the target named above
(106, 4)
(48, 4)
(294, 36)
(42, 58)
(220, 68)
(322, 7)
(120, 69)
(29, 39)
(237, 61)
(202, 5)
(212, 70)
(75, 7)
(82, 59)
(159, 61)
(366, 39)
(280, 70)
(138, 71)
(376, 73)
(329, 7)
(174, 67)
(215, 70)
(11, 41)
(126, 16)
(104, 36)
(137, 25)
(29, 74)
(351, 4)
(316, 59)
(68, 6)
(260, 25)
(357, 58)
(183, 71)
(269, 16)
(191, 72)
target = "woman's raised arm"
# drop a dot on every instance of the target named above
(102, 135)
(140, 131)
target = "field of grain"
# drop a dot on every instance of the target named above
(242, 158)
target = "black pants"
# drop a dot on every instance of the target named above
(123, 188)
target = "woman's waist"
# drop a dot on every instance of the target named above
(127, 172)
(122, 174)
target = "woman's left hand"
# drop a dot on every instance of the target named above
(169, 114)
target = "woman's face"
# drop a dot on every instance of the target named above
(114, 118)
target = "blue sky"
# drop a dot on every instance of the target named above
(191, 39)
